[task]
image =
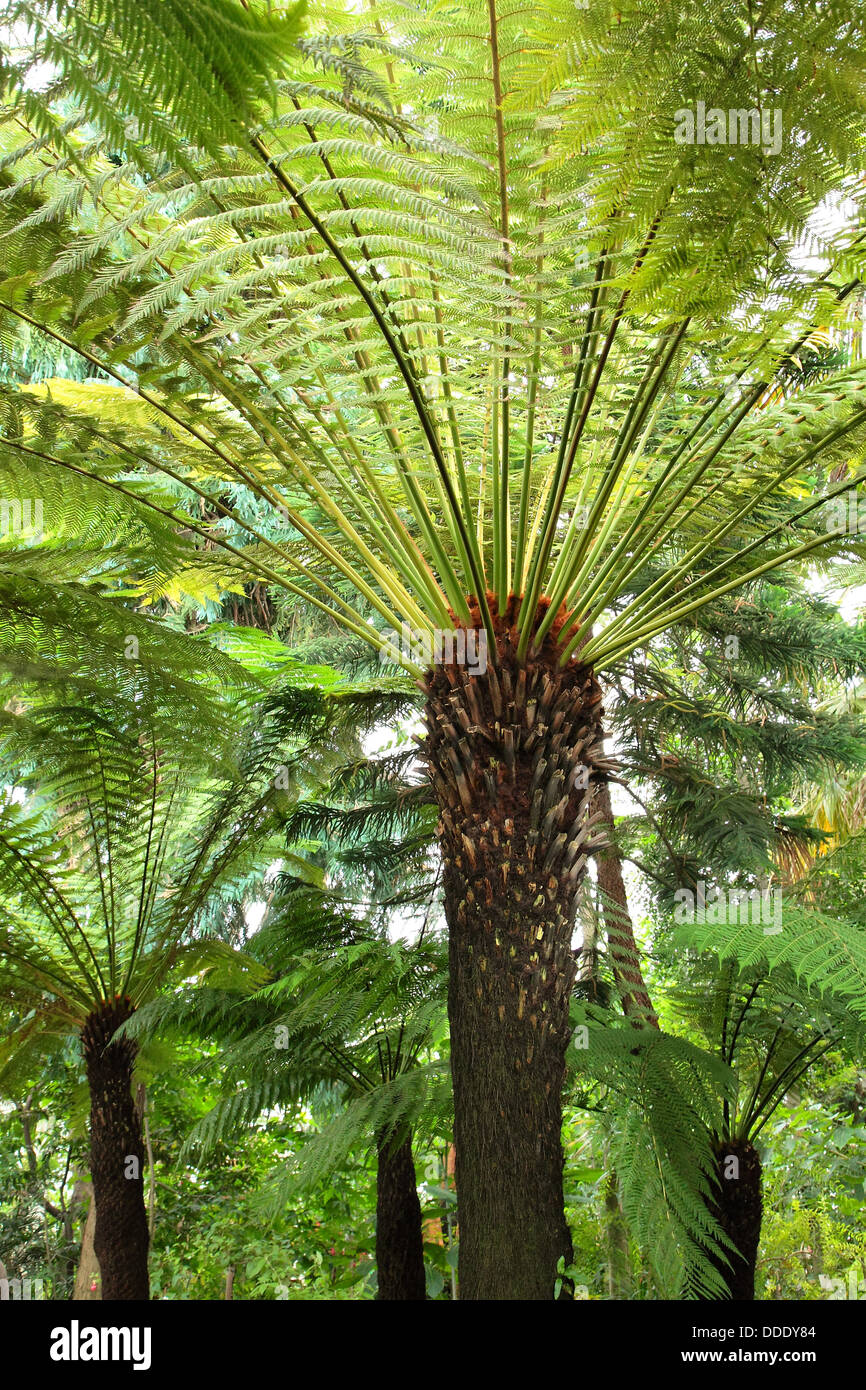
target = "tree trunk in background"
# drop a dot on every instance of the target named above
(624, 951)
(637, 1006)
(116, 1156)
(87, 1279)
(738, 1210)
(507, 752)
(399, 1241)
(619, 1271)
(141, 1109)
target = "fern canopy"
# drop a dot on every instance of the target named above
(449, 294)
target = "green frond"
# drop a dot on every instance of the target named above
(825, 953)
(661, 1148)
(463, 333)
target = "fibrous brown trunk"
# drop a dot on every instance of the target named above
(738, 1208)
(116, 1156)
(399, 1241)
(514, 754)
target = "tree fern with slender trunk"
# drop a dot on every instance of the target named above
(770, 1025)
(120, 819)
(79, 948)
(448, 291)
(752, 723)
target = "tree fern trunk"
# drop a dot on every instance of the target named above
(507, 752)
(116, 1157)
(739, 1210)
(399, 1241)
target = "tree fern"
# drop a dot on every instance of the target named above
(501, 351)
